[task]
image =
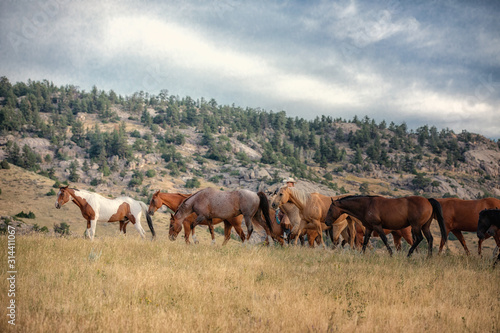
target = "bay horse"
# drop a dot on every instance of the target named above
(379, 213)
(312, 208)
(489, 224)
(210, 203)
(462, 215)
(96, 208)
(334, 213)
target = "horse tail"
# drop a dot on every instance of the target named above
(148, 218)
(438, 214)
(264, 206)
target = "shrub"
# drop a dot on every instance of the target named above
(4, 165)
(23, 215)
(193, 183)
(51, 192)
(62, 228)
(150, 173)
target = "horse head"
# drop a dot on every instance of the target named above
(62, 196)
(485, 225)
(155, 203)
(174, 228)
(280, 197)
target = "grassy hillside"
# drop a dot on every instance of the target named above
(118, 284)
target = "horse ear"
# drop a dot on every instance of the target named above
(63, 187)
(157, 192)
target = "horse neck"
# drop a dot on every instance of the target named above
(80, 201)
(352, 207)
(295, 200)
(172, 201)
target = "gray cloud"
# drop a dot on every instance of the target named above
(434, 62)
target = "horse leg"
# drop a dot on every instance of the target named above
(461, 238)
(368, 233)
(137, 224)
(320, 232)
(479, 246)
(417, 234)
(248, 223)
(239, 231)
(397, 240)
(302, 224)
(227, 232)
(195, 239)
(443, 240)
(187, 231)
(93, 224)
(428, 235)
(352, 231)
(378, 228)
(212, 233)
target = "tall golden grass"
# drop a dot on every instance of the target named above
(125, 284)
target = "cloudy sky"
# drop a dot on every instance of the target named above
(425, 62)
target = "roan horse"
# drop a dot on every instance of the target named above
(489, 224)
(379, 213)
(461, 215)
(173, 200)
(210, 203)
(96, 208)
(312, 207)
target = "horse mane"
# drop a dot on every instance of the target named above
(183, 203)
(299, 194)
(489, 211)
(348, 197)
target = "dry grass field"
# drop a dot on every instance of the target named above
(125, 284)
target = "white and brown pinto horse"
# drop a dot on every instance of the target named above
(211, 203)
(96, 208)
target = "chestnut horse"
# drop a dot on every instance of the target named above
(312, 207)
(173, 200)
(210, 203)
(489, 224)
(334, 213)
(461, 215)
(96, 208)
(379, 213)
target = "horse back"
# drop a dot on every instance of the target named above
(462, 215)
(398, 213)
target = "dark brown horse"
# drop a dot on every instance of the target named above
(462, 215)
(334, 213)
(489, 224)
(210, 203)
(379, 213)
(173, 200)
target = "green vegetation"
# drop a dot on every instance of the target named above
(23, 215)
(303, 148)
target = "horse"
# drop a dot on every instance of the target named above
(312, 207)
(379, 213)
(210, 203)
(96, 208)
(488, 224)
(334, 213)
(172, 201)
(461, 215)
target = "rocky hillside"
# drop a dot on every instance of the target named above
(138, 144)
